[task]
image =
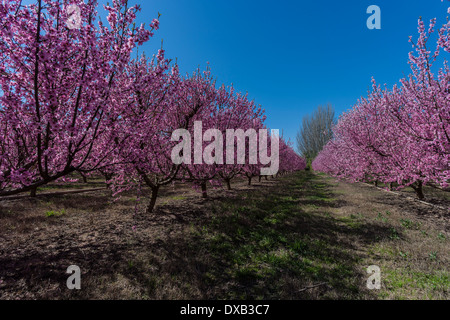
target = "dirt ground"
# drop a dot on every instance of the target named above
(301, 236)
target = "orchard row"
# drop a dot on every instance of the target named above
(74, 100)
(401, 136)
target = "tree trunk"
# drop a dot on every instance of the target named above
(249, 181)
(391, 186)
(204, 194)
(228, 184)
(107, 178)
(33, 192)
(419, 190)
(152, 203)
(259, 178)
(84, 177)
(376, 183)
(266, 177)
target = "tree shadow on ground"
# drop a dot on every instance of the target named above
(256, 244)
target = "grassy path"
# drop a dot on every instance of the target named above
(303, 236)
(280, 242)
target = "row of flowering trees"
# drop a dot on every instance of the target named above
(399, 136)
(74, 100)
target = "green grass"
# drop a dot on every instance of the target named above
(53, 213)
(268, 244)
(271, 243)
(399, 281)
(178, 197)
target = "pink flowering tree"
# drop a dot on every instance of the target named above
(399, 135)
(57, 112)
(200, 94)
(240, 121)
(290, 161)
(162, 104)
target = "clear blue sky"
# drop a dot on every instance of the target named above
(291, 56)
